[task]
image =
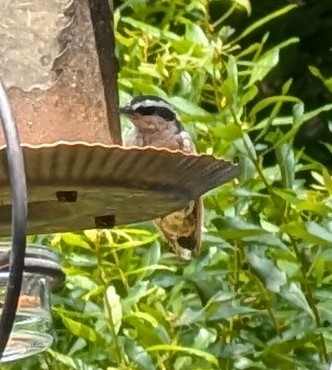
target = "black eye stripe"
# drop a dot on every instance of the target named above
(163, 112)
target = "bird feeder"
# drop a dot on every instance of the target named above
(58, 66)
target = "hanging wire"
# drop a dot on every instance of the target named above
(18, 219)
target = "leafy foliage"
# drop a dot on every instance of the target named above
(259, 296)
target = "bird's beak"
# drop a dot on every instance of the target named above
(126, 111)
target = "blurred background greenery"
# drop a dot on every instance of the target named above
(251, 80)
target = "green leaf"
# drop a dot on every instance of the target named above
(236, 228)
(145, 316)
(244, 4)
(150, 30)
(264, 103)
(272, 277)
(141, 87)
(204, 338)
(319, 231)
(310, 231)
(266, 62)
(187, 107)
(287, 120)
(134, 294)
(75, 241)
(326, 81)
(229, 310)
(183, 362)
(230, 131)
(144, 270)
(325, 310)
(263, 66)
(286, 162)
(269, 239)
(195, 34)
(151, 257)
(192, 351)
(294, 295)
(249, 95)
(139, 355)
(79, 329)
(258, 24)
(147, 334)
(246, 363)
(114, 308)
(72, 363)
(229, 88)
(83, 282)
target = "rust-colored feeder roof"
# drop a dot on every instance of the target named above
(57, 62)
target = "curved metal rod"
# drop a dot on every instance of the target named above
(18, 221)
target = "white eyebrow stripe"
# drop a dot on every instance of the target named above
(153, 103)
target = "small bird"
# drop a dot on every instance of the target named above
(156, 124)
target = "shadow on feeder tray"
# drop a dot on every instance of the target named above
(76, 185)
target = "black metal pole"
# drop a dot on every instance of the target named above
(18, 221)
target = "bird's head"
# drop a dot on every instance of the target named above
(151, 113)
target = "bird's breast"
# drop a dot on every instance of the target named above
(152, 131)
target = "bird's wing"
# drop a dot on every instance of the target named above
(182, 229)
(185, 141)
(132, 137)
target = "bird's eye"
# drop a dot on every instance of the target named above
(146, 111)
(162, 112)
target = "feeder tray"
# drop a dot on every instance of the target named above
(75, 186)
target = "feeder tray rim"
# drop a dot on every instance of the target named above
(121, 147)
